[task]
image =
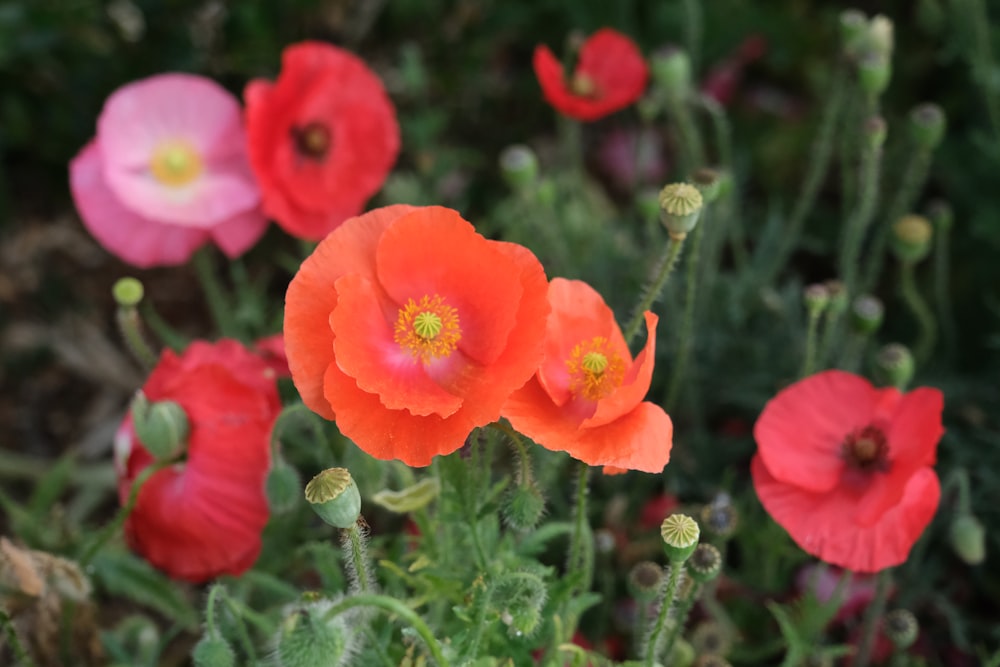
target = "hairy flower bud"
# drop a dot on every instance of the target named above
(213, 651)
(162, 426)
(705, 563)
(968, 539)
(711, 637)
(911, 238)
(894, 365)
(927, 125)
(644, 580)
(902, 628)
(523, 507)
(816, 298)
(671, 70)
(866, 314)
(307, 638)
(334, 496)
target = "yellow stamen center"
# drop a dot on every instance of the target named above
(595, 369)
(583, 85)
(427, 329)
(175, 163)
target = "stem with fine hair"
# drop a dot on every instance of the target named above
(397, 608)
(653, 289)
(666, 602)
(860, 219)
(872, 617)
(683, 611)
(129, 322)
(692, 152)
(927, 331)
(687, 324)
(809, 359)
(581, 548)
(353, 541)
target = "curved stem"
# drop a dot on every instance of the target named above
(524, 474)
(129, 323)
(393, 606)
(857, 225)
(927, 332)
(872, 617)
(237, 610)
(653, 289)
(669, 592)
(210, 629)
(687, 325)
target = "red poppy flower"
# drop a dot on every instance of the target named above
(322, 138)
(410, 329)
(610, 74)
(272, 350)
(203, 517)
(845, 468)
(586, 398)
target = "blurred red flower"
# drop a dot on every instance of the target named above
(410, 329)
(322, 138)
(845, 468)
(586, 398)
(610, 74)
(272, 350)
(203, 516)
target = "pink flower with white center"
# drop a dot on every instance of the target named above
(168, 172)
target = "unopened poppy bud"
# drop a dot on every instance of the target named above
(927, 125)
(880, 35)
(128, 292)
(901, 628)
(719, 517)
(875, 131)
(709, 183)
(213, 651)
(816, 297)
(866, 314)
(894, 365)
(705, 563)
(680, 206)
(644, 580)
(874, 72)
(161, 426)
(968, 539)
(523, 595)
(853, 30)
(334, 496)
(940, 214)
(680, 537)
(838, 296)
(308, 639)
(911, 238)
(524, 507)
(682, 654)
(710, 637)
(283, 486)
(519, 166)
(671, 70)
(711, 660)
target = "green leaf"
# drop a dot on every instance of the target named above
(123, 574)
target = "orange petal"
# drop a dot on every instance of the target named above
(367, 352)
(311, 298)
(433, 251)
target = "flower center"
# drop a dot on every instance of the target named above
(313, 140)
(595, 370)
(867, 449)
(427, 329)
(175, 163)
(582, 85)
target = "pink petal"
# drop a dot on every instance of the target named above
(133, 238)
(238, 234)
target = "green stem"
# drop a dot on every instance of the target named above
(581, 548)
(684, 345)
(857, 225)
(692, 152)
(210, 629)
(680, 618)
(20, 654)
(669, 592)
(570, 135)
(872, 617)
(927, 328)
(524, 475)
(353, 542)
(241, 629)
(112, 527)
(809, 359)
(942, 293)
(128, 326)
(653, 289)
(169, 336)
(393, 606)
(693, 20)
(816, 170)
(215, 295)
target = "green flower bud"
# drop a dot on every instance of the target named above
(519, 167)
(866, 314)
(940, 214)
(644, 580)
(334, 496)
(816, 297)
(307, 639)
(874, 73)
(705, 563)
(682, 654)
(671, 70)
(162, 427)
(719, 517)
(901, 628)
(283, 486)
(927, 125)
(522, 596)
(894, 365)
(838, 296)
(880, 36)
(680, 537)
(911, 238)
(709, 183)
(213, 652)
(410, 499)
(968, 539)
(680, 206)
(127, 292)
(710, 637)
(523, 507)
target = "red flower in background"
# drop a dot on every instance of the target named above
(203, 516)
(845, 468)
(322, 138)
(410, 329)
(586, 398)
(610, 74)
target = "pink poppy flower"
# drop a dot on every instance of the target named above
(167, 173)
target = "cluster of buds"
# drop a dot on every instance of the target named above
(868, 43)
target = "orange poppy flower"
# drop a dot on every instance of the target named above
(586, 398)
(410, 329)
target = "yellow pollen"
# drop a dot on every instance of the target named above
(583, 85)
(175, 163)
(428, 329)
(595, 370)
